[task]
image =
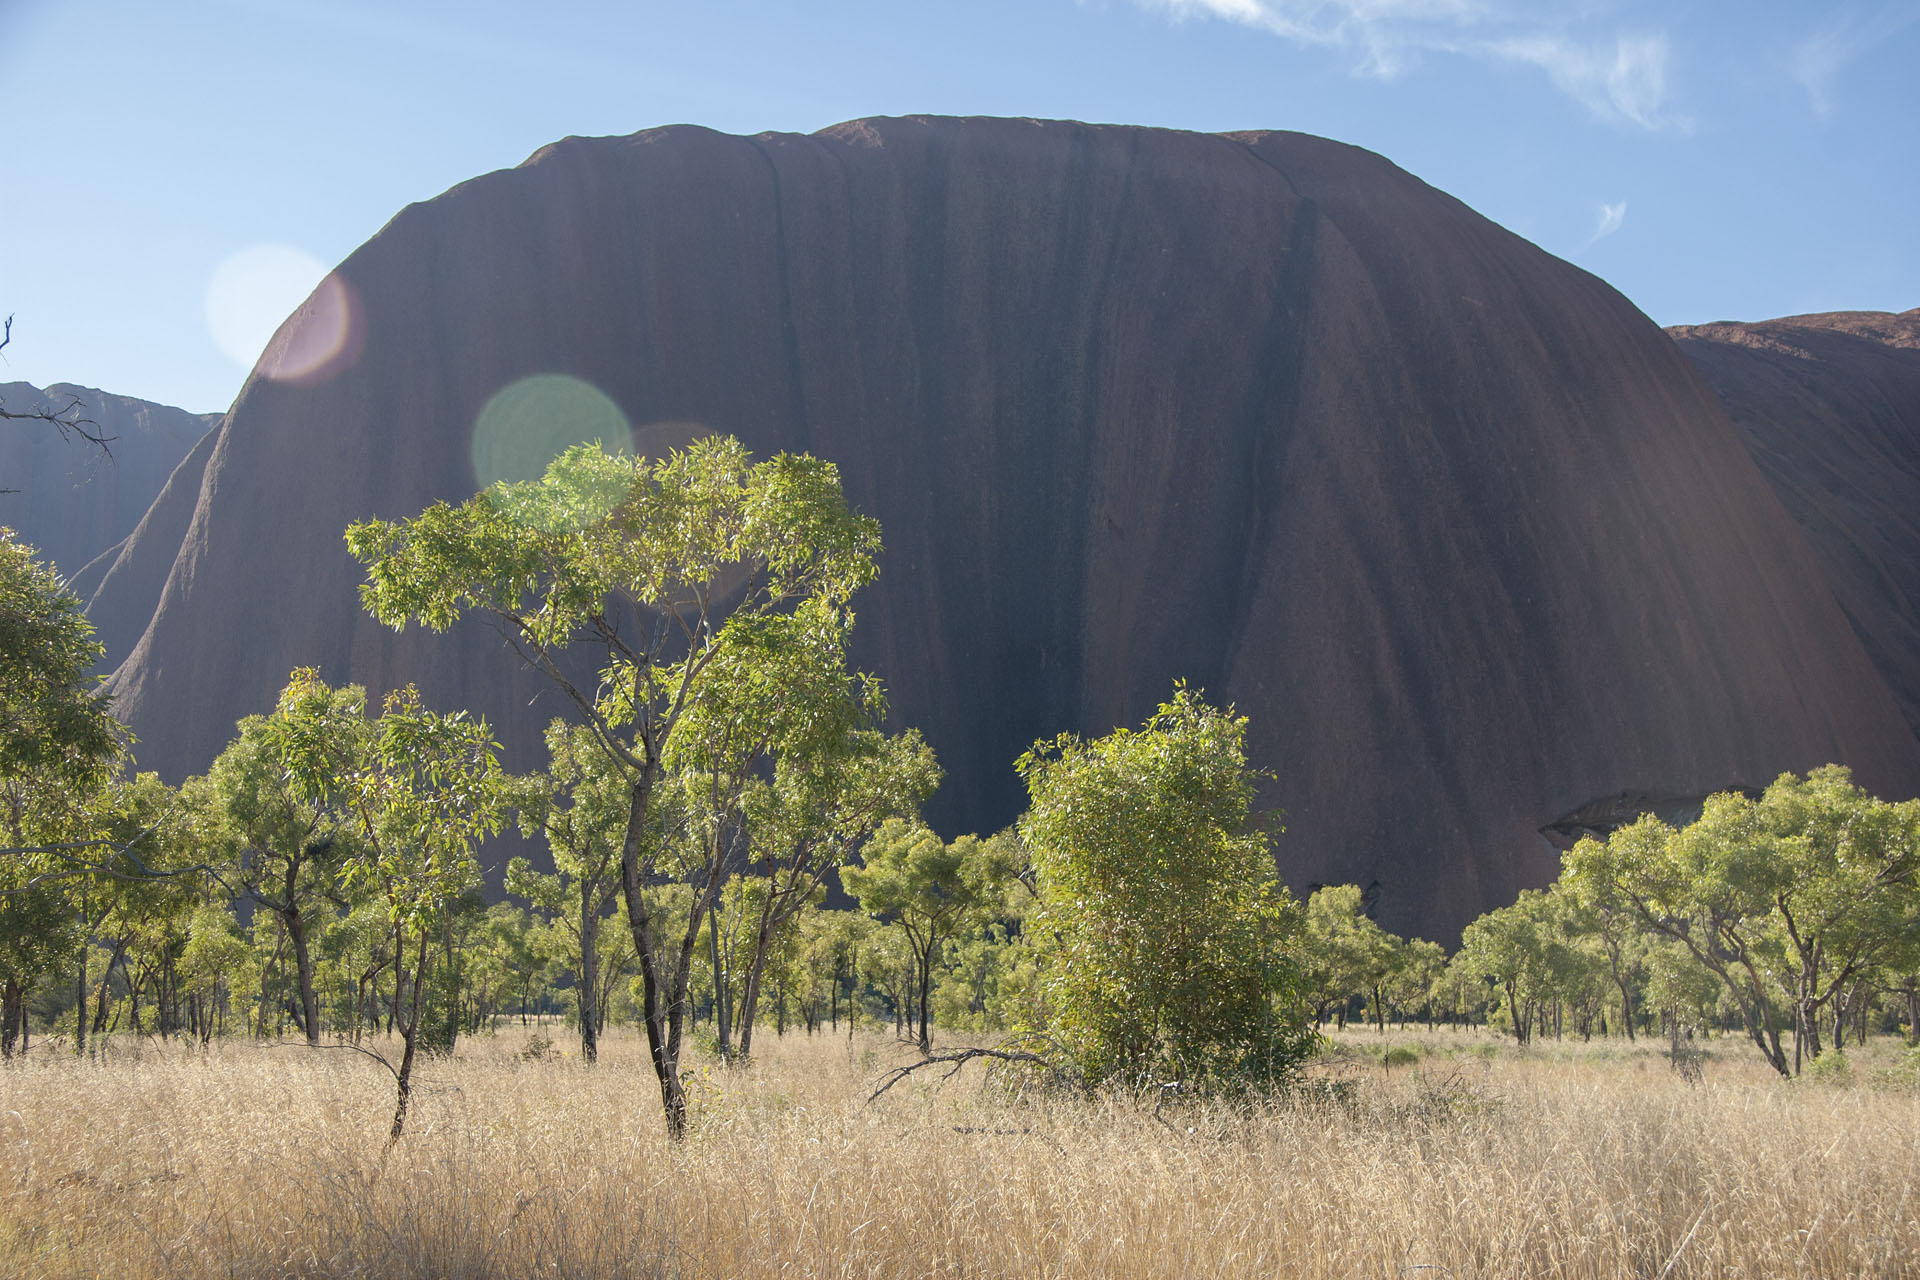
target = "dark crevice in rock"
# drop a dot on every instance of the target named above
(1600, 818)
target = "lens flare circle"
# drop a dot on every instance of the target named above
(531, 421)
(252, 291)
(326, 335)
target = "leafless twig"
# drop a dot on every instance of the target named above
(348, 1045)
(960, 1058)
(69, 419)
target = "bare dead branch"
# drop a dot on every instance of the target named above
(960, 1058)
(69, 419)
(348, 1045)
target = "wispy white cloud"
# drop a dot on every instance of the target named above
(1627, 81)
(1608, 222)
(1619, 76)
(1820, 57)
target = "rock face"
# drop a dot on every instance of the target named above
(122, 585)
(1829, 407)
(1456, 526)
(72, 501)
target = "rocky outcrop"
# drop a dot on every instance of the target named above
(122, 585)
(1829, 407)
(1456, 526)
(70, 499)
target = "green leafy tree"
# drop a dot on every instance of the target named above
(514, 960)
(359, 951)
(713, 591)
(425, 789)
(1788, 900)
(580, 805)
(931, 890)
(1345, 954)
(1598, 913)
(290, 842)
(54, 723)
(841, 936)
(1414, 979)
(1524, 950)
(215, 962)
(56, 742)
(147, 879)
(1171, 941)
(974, 985)
(820, 806)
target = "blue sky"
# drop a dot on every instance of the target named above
(178, 175)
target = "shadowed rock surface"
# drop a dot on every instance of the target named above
(122, 584)
(72, 501)
(1829, 407)
(1456, 526)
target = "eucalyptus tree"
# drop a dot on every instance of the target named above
(932, 889)
(151, 876)
(580, 804)
(214, 964)
(1788, 900)
(54, 722)
(57, 741)
(811, 820)
(289, 841)
(1345, 953)
(424, 789)
(712, 592)
(1598, 912)
(1414, 980)
(1525, 951)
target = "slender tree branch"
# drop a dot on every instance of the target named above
(960, 1058)
(69, 420)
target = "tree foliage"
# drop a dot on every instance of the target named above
(713, 590)
(932, 889)
(1788, 900)
(424, 789)
(54, 723)
(1171, 941)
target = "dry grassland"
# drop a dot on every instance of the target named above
(1565, 1161)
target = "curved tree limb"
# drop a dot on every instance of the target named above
(960, 1058)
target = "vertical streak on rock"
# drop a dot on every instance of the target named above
(800, 434)
(1269, 412)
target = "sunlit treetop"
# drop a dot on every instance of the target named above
(52, 716)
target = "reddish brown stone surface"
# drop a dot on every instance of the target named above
(1453, 523)
(1829, 407)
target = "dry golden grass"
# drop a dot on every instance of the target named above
(1567, 1161)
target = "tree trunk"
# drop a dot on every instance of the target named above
(118, 957)
(722, 1002)
(80, 1006)
(409, 1037)
(303, 971)
(1626, 1005)
(928, 959)
(661, 1023)
(750, 994)
(589, 978)
(1806, 1034)
(12, 1016)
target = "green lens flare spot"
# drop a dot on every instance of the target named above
(530, 422)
